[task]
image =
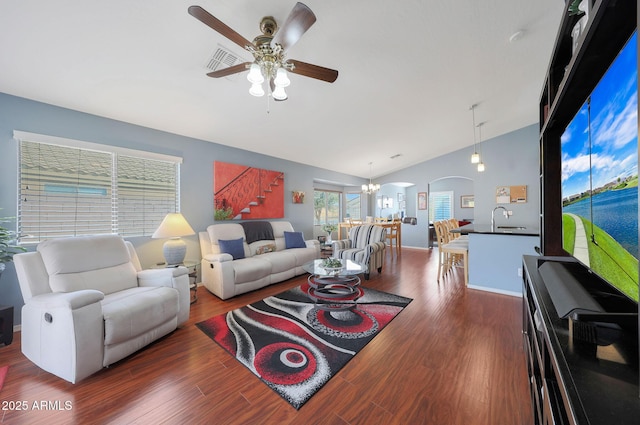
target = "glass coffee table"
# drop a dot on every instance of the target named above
(334, 288)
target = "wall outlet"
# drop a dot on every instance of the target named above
(519, 271)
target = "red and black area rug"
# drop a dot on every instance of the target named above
(294, 347)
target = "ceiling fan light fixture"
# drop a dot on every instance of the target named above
(279, 93)
(256, 90)
(281, 80)
(255, 75)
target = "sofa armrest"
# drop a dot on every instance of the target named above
(218, 258)
(341, 244)
(69, 300)
(63, 333)
(161, 277)
(312, 243)
(171, 277)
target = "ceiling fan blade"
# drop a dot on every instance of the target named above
(314, 71)
(298, 22)
(230, 70)
(219, 26)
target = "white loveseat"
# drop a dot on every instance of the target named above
(88, 304)
(267, 259)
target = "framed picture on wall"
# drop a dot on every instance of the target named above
(422, 200)
(466, 201)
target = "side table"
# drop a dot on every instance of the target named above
(193, 267)
(326, 250)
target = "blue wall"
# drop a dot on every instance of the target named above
(196, 172)
(511, 159)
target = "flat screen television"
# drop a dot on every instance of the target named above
(599, 159)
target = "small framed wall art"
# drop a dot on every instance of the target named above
(422, 200)
(297, 196)
(466, 201)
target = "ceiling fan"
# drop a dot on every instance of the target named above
(269, 51)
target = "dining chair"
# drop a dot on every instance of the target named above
(393, 236)
(451, 252)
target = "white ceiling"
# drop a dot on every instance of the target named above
(409, 71)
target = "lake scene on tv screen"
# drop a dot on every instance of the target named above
(599, 151)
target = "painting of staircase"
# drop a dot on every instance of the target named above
(241, 192)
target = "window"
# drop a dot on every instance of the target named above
(326, 207)
(353, 205)
(440, 206)
(86, 189)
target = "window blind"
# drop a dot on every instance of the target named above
(70, 191)
(440, 206)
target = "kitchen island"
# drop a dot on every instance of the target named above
(495, 255)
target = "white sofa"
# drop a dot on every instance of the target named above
(88, 304)
(227, 277)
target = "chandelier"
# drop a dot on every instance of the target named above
(269, 64)
(370, 188)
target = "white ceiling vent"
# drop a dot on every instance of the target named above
(222, 58)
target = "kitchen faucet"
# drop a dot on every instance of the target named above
(493, 220)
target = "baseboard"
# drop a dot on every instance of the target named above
(17, 328)
(422, 248)
(497, 291)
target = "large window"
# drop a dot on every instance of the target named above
(353, 206)
(440, 206)
(91, 189)
(326, 206)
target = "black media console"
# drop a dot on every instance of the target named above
(578, 376)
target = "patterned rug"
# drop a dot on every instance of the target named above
(296, 348)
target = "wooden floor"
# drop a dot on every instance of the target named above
(453, 356)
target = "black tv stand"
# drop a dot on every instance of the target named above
(574, 380)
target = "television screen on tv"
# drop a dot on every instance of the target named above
(599, 151)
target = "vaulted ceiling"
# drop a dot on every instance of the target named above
(409, 70)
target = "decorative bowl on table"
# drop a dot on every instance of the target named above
(332, 265)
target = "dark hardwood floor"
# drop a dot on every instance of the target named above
(453, 356)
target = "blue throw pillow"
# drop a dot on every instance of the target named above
(233, 247)
(294, 240)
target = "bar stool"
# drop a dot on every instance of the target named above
(448, 250)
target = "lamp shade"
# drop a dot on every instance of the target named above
(173, 226)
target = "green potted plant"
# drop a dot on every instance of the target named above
(7, 247)
(329, 228)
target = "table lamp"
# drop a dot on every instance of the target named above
(173, 226)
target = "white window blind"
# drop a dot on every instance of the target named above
(440, 206)
(71, 191)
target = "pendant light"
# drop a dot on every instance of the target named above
(475, 157)
(480, 163)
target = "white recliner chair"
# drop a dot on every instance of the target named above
(88, 304)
